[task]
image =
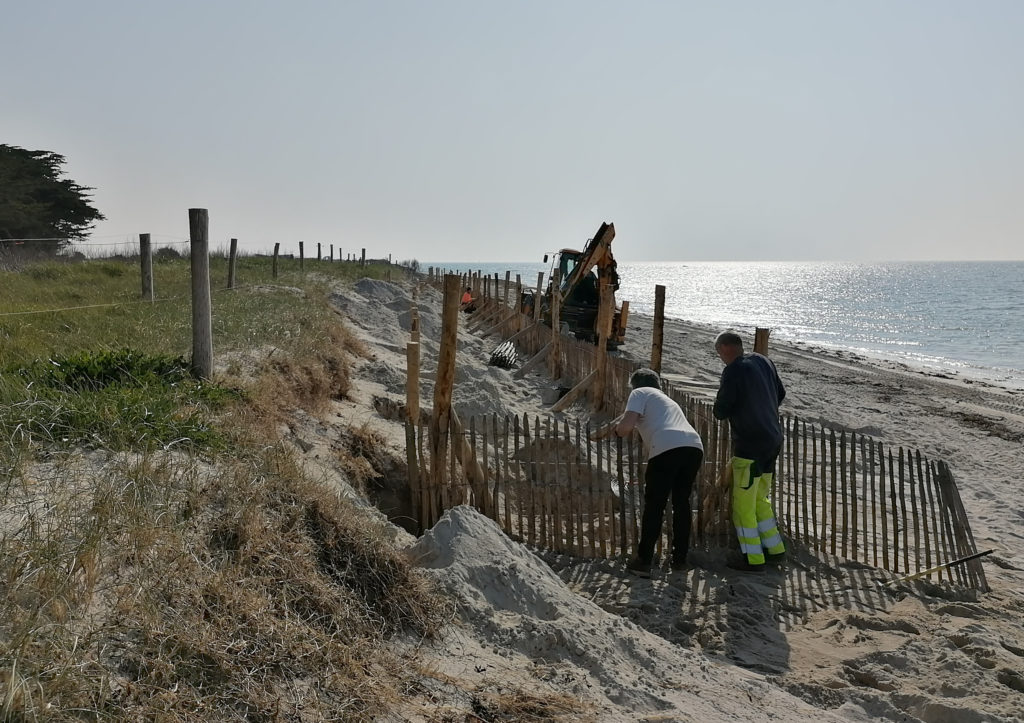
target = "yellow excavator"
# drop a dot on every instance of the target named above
(581, 274)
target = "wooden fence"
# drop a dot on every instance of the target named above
(547, 484)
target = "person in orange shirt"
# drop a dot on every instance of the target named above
(468, 302)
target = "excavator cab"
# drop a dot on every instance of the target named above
(580, 288)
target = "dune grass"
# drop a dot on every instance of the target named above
(162, 555)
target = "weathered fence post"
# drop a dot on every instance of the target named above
(412, 391)
(277, 248)
(604, 327)
(202, 321)
(146, 259)
(319, 251)
(362, 260)
(555, 357)
(444, 380)
(761, 340)
(658, 336)
(232, 257)
(302, 256)
(536, 298)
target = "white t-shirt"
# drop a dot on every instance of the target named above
(662, 425)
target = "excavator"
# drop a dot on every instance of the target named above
(581, 273)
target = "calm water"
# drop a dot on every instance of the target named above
(966, 317)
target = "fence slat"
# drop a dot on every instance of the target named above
(853, 498)
(915, 512)
(835, 497)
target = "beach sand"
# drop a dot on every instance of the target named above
(817, 640)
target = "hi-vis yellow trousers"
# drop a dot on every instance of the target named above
(752, 512)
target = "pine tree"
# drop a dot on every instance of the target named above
(37, 203)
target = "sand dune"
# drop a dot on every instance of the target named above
(820, 639)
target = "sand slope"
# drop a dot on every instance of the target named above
(819, 638)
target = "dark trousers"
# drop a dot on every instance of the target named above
(669, 473)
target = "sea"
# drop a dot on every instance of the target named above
(960, 318)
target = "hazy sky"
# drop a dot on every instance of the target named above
(493, 131)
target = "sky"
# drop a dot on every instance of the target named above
(477, 130)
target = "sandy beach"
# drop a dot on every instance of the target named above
(818, 640)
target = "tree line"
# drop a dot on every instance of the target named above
(38, 202)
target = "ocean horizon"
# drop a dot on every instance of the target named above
(959, 317)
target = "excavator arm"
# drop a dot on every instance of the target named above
(596, 254)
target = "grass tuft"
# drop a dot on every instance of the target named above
(118, 400)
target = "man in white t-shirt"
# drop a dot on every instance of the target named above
(674, 456)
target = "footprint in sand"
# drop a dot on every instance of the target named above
(1011, 679)
(961, 611)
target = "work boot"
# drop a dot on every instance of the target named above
(638, 567)
(741, 564)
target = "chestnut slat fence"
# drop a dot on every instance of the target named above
(548, 485)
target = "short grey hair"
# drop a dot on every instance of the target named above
(729, 338)
(645, 378)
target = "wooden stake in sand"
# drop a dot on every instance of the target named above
(761, 340)
(536, 296)
(555, 357)
(412, 384)
(604, 324)
(441, 417)
(658, 331)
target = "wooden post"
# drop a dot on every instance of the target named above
(415, 481)
(202, 317)
(536, 297)
(362, 259)
(508, 275)
(761, 340)
(658, 335)
(414, 324)
(332, 253)
(319, 251)
(277, 249)
(620, 333)
(412, 391)
(604, 324)
(444, 381)
(146, 259)
(302, 256)
(555, 357)
(232, 257)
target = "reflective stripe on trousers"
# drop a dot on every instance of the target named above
(756, 528)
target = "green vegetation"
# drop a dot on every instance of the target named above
(118, 400)
(37, 203)
(162, 555)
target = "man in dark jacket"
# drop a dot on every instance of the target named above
(749, 397)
